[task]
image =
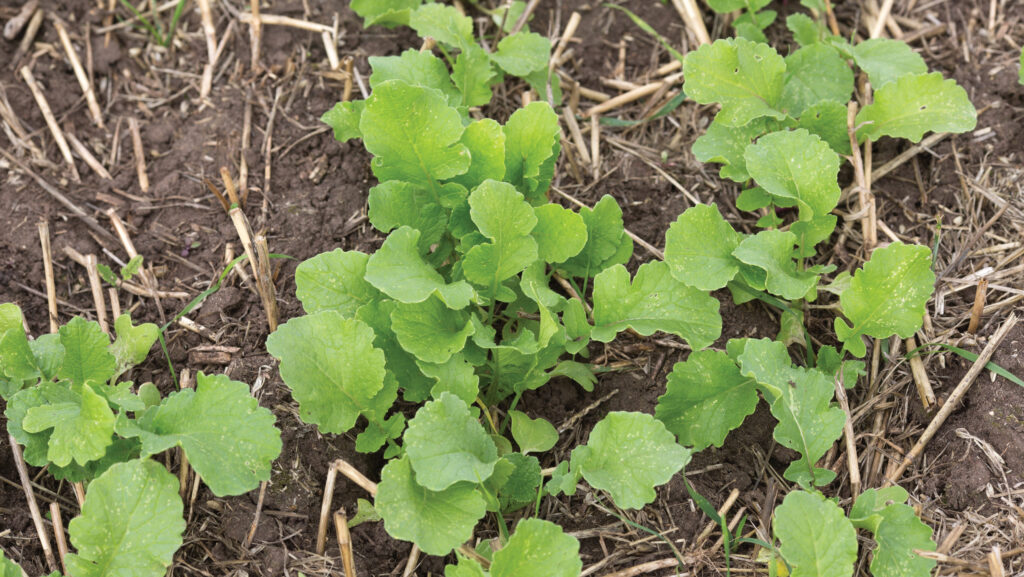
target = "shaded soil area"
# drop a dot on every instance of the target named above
(315, 200)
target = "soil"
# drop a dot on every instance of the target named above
(315, 200)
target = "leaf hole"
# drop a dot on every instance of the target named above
(924, 107)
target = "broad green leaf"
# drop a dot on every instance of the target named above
(82, 430)
(815, 74)
(538, 547)
(414, 68)
(563, 480)
(522, 53)
(806, 31)
(580, 373)
(801, 401)
(745, 77)
(797, 165)
(473, 74)
(442, 23)
(887, 296)
(503, 216)
(628, 455)
(886, 60)
(522, 483)
(699, 246)
(131, 523)
(132, 268)
(456, 376)
(18, 405)
(846, 371)
(532, 435)
(401, 364)
(414, 135)
(120, 396)
(228, 438)
(810, 232)
(655, 301)
(330, 364)
(398, 270)
(377, 433)
(607, 242)
(531, 149)
(828, 120)
(85, 352)
(17, 362)
(344, 118)
(48, 354)
(725, 145)
(560, 233)
(333, 281)
(466, 568)
(753, 199)
(897, 530)
(119, 451)
(817, 539)
(726, 6)
(772, 251)
(446, 444)
(705, 398)
(914, 104)
(577, 327)
(132, 344)
(9, 568)
(485, 140)
(387, 13)
(436, 521)
(430, 330)
(394, 204)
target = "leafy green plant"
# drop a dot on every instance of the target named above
(67, 406)
(155, 27)
(783, 128)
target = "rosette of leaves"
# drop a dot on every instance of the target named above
(67, 407)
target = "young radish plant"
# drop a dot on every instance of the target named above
(69, 409)
(783, 128)
(478, 294)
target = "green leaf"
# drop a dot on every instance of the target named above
(45, 394)
(131, 523)
(394, 204)
(17, 361)
(132, 344)
(48, 354)
(810, 232)
(414, 68)
(815, 74)
(745, 77)
(580, 373)
(414, 135)
(9, 568)
(442, 23)
(429, 330)
(330, 364)
(562, 480)
(132, 268)
(655, 301)
(887, 296)
(119, 451)
(607, 242)
(106, 273)
(806, 31)
(828, 120)
(228, 438)
(387, 13)
(801, 401)
(522, 53)
(772, 251)
(149, 394)
(560, 233)
(699, 246)
(532, 435)
(897, 530)
(485, 140)
(473, 74)
(817, 539)
(503, 216)
(436, 521)
(628, 455)
(915, 104)
(446, 444)
(531, 149)
(456, 376)
(538, 547)
(725, 6)
(1020, 69)
(797, 165)
(343, 119)
(705, 398)
(466, 568)
(725, 145)
(398, 270)
(400, 363)
(886, 60)
(522, 484)
(333, 281)
(82, 430)
(85, 353)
